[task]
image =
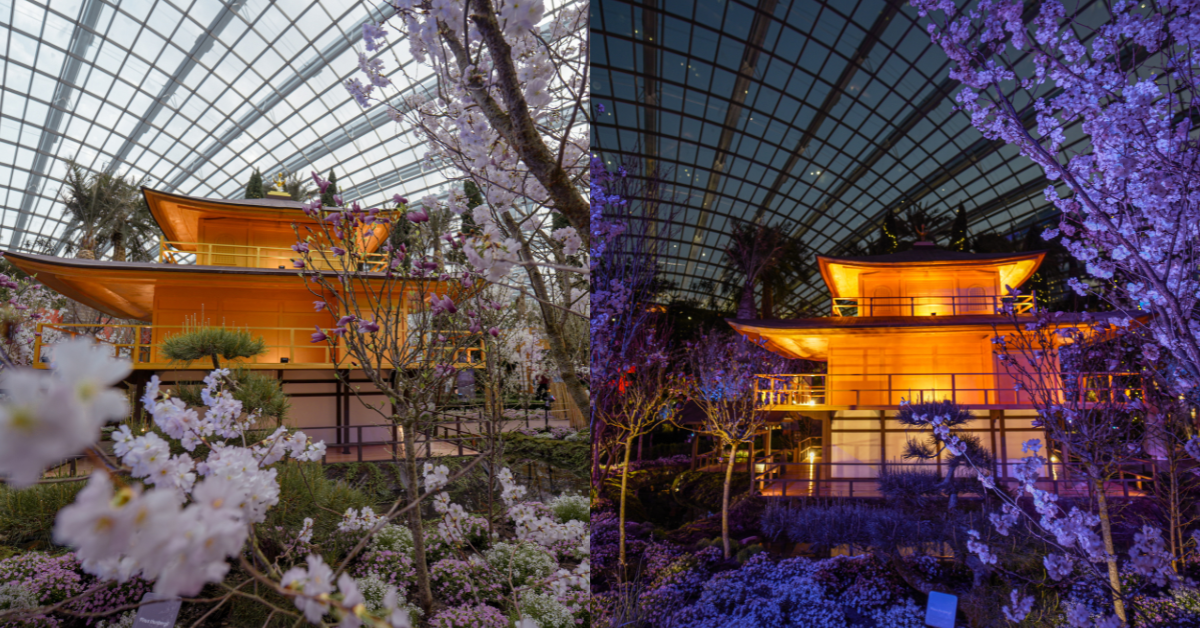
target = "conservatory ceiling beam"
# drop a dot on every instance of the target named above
(276, 96)
(649, 79)
(831, 100)
(741, 86)
(202, 45)
(82, 38)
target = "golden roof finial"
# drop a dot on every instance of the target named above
(280, 181)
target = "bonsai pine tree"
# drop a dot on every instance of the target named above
(254, 187)
(959, 241)
(328, 194)
(203, 341)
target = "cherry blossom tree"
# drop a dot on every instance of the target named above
(509, 114)
(1127, 82)
(724, 372)
(397, 323)
(645, 397)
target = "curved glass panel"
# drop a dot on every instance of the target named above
(816, 115)
(193, 94)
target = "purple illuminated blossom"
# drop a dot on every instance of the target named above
(319, 306)
(298, 263)
(319, 336)
(369, 327)
(418, 216)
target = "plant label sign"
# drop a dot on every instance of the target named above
(941, 609)
(161, 615)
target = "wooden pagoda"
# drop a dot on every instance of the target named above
(227, 263)
(913, 326)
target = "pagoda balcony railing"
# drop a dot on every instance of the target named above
(286, 347)
(982, 390)
(933, 305)
(245, 256)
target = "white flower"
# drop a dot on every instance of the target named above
(91, 372)
(41, 423)
(352, 598)
(521, 15)
(436, 477)
(306, 531)
(313, 586)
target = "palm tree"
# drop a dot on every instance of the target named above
(757, 252)
(108, 210)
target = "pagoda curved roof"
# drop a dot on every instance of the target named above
(126, 289)
(840, 273)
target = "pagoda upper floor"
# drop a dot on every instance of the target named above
(243, 233)
(927, 281)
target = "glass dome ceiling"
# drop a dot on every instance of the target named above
(193, 94)
(819, 116)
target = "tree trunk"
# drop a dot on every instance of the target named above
(621, 515)
(424, 594)
(118, 244)
(746, 305)
(768, 300)
(725, 500)
(1114, 578)
(554, 332)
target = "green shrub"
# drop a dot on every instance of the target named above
(394, 538)
(546, 610)
(27, 516)
(571, 508)
(573, 456)
(197, 342)
(523, 560)
(305, 491)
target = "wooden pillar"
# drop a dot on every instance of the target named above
(826, 444)
(882, 440)
(1003, 445)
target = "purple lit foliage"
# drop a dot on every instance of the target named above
(1129, 211)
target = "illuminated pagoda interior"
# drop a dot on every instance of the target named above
(915, 326)
(226, 263)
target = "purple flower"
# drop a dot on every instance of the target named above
(400, 200)
(368, 326)
(344, 320)
(373, 35)
(360, 92)
(322, 184)
(300, 247)
(319, 336)
(494, 332)
(418, 216)
(319, 306)
(298, 263)
(339, 251)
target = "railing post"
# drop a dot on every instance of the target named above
(360, 443)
